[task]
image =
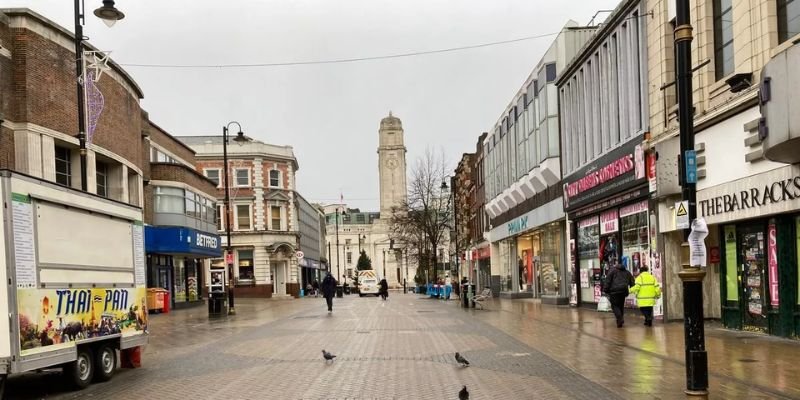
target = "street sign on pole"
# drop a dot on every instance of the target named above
(229, 258)
(690, 157)
(682, 215)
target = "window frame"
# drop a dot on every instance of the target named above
(236, 226)
(252, 267)
(272, 218)
(67, 162)
(280, 178)
(98, 174)
(721, 70)
(783, 20)
(236, 178)
(220, 218)
(219, 175)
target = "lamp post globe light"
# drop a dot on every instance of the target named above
(240, 139)
(109, 14)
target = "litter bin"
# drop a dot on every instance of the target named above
(467, 294)
(216, 303)
(339, 291)
(165, 301)
(347, 289)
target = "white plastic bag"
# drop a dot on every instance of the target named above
(603, 305)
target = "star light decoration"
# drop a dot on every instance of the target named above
(94, 64)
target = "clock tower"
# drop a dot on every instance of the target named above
(391, 165)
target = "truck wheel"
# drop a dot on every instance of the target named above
(105, 363)
(361, 295)
(80, 372)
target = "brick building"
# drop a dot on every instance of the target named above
(263, 212)
(129, 159)
(39, 111)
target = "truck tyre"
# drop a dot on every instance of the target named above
(81, 371)
(105, 363)
(361, 295)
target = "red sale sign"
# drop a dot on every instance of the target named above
(772, 263)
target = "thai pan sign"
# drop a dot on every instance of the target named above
(57, 318)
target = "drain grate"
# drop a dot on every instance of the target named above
(362, 331)
(747, 360)
(306, 317)
(425, 311)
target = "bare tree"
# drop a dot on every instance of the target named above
(423, 221)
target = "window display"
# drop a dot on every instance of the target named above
(588, 257)
(635, 238)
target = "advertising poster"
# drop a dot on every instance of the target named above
(772, 263)
(57, 318)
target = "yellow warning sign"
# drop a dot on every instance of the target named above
(681, 210)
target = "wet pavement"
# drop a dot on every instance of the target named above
(403, 348)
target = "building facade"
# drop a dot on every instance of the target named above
(180, 219)
(523, 182)
(748, 178)
(462, 185)
(263, 212)
(129, 159)
(311, 220)
(40, 117)
(604, 117)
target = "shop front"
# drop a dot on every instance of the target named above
(310, 271)
(530, 255)
(757, 220)
(612, 221)
(176, 261)
(480, 263)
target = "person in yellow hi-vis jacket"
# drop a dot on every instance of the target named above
(646, 290)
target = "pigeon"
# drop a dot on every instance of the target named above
(327, 356)
(461, 360)
(463, 394)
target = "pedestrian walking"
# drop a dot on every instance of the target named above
(384, 288)
(647, 290)
(328, 290)
(617, 285)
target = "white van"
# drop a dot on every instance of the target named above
(367, 283)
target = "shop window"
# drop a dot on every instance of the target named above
(243, 217)
(635, 236)
(101, 175)
(246, 265)
(63, 166)
(589, 258)
(788, 19)
(274, 178)
(180, 281)
(213, 175)
(242, 176)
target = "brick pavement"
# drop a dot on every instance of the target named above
(403, 349)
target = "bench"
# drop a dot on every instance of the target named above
(486, 294)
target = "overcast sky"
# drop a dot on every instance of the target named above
(329, 113)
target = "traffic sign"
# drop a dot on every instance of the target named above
(682, 214)
(691, 166)
(299, 254)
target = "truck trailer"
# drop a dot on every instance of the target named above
(74, 284)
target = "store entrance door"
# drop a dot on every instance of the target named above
(752, 262)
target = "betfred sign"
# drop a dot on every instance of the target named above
(616, 171)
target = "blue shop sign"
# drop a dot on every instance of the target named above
(181, 240)
(518, 225)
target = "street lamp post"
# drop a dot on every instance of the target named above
(384, 263)
(109, 14)
(338, 270)
(228, 247)
(692, 276)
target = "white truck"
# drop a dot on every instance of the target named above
(367, 283)
(73, 287)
